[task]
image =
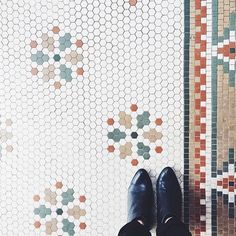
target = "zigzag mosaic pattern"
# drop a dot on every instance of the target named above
(210, 152)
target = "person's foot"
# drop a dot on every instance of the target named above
(140, 199)
(169, 196)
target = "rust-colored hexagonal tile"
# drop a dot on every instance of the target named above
(80, 71)
(57, 85)
(133, 107)
(33, 44)
(55, 29)
(34, 71)
(36, 198)
(58, 185)
(110, 121)
(37, 224)
(82, 225)
(82, 198)
(158, 149)
(158, 121)
(132, 2)
(79, 43)
(134, 162)
(110, 148)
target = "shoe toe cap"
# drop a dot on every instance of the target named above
(167, 178)
(141, 177)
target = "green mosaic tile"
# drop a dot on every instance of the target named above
(143, 119)
(67, 196)
(116, 135)
(42, 211)
(68, 227)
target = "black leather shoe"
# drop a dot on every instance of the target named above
(140, 198)
(169, 196)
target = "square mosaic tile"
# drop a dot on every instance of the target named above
(93, 90)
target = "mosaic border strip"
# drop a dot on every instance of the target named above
(214, 121)
(209, 155)
(223, 117)
(186, 109)
(196, 217)
(200, 111)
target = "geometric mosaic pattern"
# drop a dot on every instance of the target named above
(135, 133)
(210, 73)
(91, 91)
(59, 211)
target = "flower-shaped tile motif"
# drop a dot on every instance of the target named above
(62, 213)
(139, 128)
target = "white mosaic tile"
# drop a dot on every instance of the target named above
(66, 68)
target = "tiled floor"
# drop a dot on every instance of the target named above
(92, 90)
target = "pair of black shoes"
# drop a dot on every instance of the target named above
(141, 197)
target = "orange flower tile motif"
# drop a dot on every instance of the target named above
(135, 134)
(62, 209)
(57, 58)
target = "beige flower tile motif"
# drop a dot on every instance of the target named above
(76, 212)
(50, 196)
(47, 42)
(125, 120)
(125, 150)
(51, 226)
(152, 135)
(48, 73)
(74, 57)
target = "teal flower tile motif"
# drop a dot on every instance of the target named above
(54, 61)
(143, 150)
(68, 196)
(116, 135)
(74, 212)
(143, 119)
(39, 57)
(65, 42)
(68, 227)
(139, 133)
(42, 211)
(65, 73)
